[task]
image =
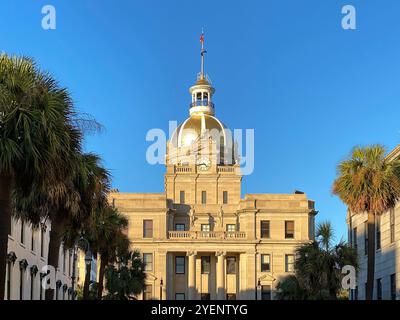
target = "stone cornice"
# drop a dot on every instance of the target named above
(394, 154)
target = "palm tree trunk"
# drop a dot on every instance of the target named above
(87, 281)
(371, 257)
(5, 227)
(103, 264)
(54, 250)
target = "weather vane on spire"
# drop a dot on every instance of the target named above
(202, 52)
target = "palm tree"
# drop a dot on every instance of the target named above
(290, 289)
(111, 241)
(69, 203)
(318, 268)
(369, 183)
(127, 280)
(35, 114)
(86, 194)
(106, 235)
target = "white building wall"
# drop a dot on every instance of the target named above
(387, 258)
(24, 250)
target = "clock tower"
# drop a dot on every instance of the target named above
(200, 237)
(202, 167)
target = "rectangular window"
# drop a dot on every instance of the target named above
(378, 232)
(205, 296)
(379, 289)
(230, 227)
(289, 262)
(148, 292)
(265, 229)
(205, 265)
(147, 228)
(289, 229)
(355, 238)
(179, 265)
(393, 286)
(32, 285)
(21, 283)
(365, 238)
(64, 260)
(203, 197)
(148, 261)
(392, 224)
(265, 292)
(265, 263)
(22, 231)
(225, 197)
(182, 197)
(356, 293)
(230, 296)
(57, 292)
(230, 265)
(40, 287)
(179, 296)
(179, 227)
(70, 262)
(9, 266)
(205, 227)
(33, 240)
(42, 234)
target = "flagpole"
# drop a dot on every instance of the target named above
(202, 56)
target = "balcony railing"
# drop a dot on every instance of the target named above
(192, 235)
(184, 169)
(225, 169)
(202, 103)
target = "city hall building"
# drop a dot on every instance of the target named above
(200, 239)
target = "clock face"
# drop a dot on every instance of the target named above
(204, 163)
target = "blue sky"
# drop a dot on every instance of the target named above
(310, 89)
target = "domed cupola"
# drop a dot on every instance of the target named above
(202, 127)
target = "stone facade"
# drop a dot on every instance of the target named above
(200, 239)
(238, 239)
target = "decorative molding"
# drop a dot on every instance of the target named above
(34, 270)
(268, 275)
(151, 276)
(23, 264)
(11, 257)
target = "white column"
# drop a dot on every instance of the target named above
(192, 275)
(220, 276)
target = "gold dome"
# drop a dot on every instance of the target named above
(193, 127)
(200, 126)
